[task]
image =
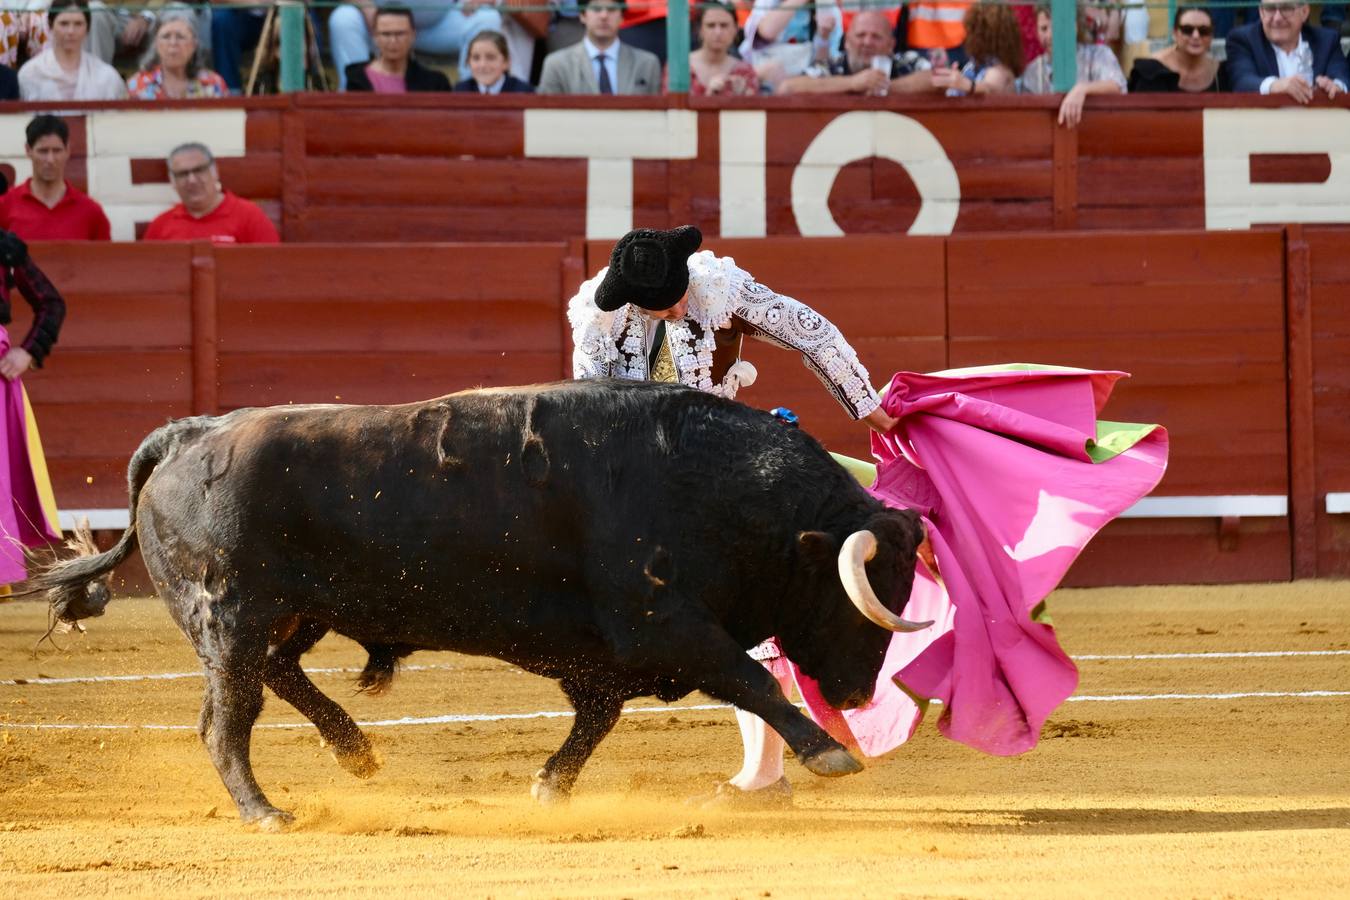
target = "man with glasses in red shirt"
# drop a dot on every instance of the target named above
(1283, 54)
(208, 211)
(46, 207)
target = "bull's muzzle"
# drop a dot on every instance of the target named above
(857, 551)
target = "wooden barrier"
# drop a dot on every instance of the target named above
(1251, 381)
(458, 167)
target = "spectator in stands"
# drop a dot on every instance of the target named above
(993, 54)
(869, 37)
(174, 69)
(1098, 70)
(207, 212)
(1283, 54)
(644, 27)
(1186, 65)
(23, 35)
(783, 38)
(118, 29)
(46, 207)
(9, 83)
(442, 26)
(64, 71)
(234, 29)
(490, 63)
(600, 64)
(394, 71)
(713, 71)
(936, 28)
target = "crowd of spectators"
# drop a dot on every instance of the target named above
(166, 49)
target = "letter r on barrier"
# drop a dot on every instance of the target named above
(1232, 136)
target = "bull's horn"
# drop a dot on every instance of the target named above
(860, 547)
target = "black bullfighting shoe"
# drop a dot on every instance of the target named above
(727, 796)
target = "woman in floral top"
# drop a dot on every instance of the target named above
(712, 70)
(174, 71)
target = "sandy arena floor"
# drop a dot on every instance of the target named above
(1196, 796)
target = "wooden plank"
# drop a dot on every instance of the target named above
(1126, 181)
(359, 325)
(1125, 258)
(415, 132)
(322, 274)
(1187, 308)
(1141, 134)
(1181, 551)
(1066, 178)
(1303, 500)
(263, 130)
(144, 375)
(440, 223)
(514, 184)
(77, 267)
(100, 429)
(255, 379)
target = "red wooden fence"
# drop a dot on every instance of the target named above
(1233, 347)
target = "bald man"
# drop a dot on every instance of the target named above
(869, 35)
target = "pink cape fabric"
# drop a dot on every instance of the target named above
(21, 517)
(997, 463)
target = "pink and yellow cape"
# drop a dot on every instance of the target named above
(1013, 474)
(28, 515)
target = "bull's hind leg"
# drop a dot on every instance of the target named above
(597, 710)
(234, 670)
(282, 673)
(233, 653)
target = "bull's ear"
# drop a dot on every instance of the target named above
(817, 547)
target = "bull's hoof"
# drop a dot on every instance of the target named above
(832, 763)
(361, 763)
(545, 792)
(273, 821)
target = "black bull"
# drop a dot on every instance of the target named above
(625, 538)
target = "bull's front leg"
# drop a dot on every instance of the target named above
(704, 656)
(597, 710)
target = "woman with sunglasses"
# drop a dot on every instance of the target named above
(1186, 65)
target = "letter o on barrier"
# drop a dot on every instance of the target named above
(861, 135)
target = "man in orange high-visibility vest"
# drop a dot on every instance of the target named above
(936, 24)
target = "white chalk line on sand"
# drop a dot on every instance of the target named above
(173, 676)
(462, 718)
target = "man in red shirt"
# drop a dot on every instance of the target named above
(46, 207)
(208, 212)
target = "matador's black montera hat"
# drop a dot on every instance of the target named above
(649, 268)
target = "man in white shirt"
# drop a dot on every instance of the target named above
(1283, 54)
(600, 64)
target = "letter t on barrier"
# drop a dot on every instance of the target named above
(609, 141)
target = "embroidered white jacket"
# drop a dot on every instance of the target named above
(613, 344)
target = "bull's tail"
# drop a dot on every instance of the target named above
(78, 587)
(378, 676)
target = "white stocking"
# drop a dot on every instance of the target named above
(763, 763)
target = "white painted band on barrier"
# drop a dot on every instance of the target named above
(174, 676)
(99, 519)
(1209, 507)
(1338, 503)
(1197, 507)
(459, 718)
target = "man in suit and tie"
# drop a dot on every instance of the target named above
(600, 64)
(1283, 54)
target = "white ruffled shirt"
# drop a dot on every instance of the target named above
(42, 78)
(614, 344)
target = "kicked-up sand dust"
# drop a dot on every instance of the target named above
(1196, 796)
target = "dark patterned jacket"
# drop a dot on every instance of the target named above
(49, 309)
